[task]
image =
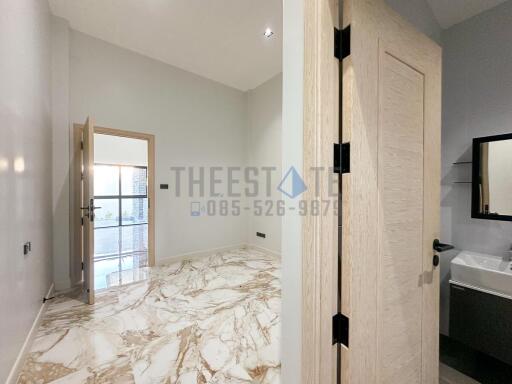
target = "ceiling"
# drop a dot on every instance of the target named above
(451, 12)
(221, 40)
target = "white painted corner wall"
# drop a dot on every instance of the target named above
(292, 155)
(264, 150)
(60, 158)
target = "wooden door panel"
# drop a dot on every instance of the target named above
(400, 184)
(391, 198)
(88, 213)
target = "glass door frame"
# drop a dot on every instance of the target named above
(76, 230)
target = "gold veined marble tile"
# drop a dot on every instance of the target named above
(212, 320)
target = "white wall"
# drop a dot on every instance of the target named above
(25, 170)
(63, 275)
(477, 97)
(292, 155)
(264, 150)
(419, 14)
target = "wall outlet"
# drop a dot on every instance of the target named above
(259, 234)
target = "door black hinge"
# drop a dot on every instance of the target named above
(82, 220)
(81, 145)
(340, 327)
(342, 42)
(82, 266)
(342, 158)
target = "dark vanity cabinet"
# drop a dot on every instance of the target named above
(482, 321)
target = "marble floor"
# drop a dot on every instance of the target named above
(210, 320)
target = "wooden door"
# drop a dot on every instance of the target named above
(391, 198)
(88, 209)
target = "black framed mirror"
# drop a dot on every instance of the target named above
(492, 178)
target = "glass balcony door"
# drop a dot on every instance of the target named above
(121, 225)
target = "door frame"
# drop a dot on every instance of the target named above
(76, 227)
(321, 131)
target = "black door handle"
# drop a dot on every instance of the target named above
(440, 247)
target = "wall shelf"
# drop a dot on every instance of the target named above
(462, 163)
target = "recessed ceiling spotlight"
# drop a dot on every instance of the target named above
(268, 33)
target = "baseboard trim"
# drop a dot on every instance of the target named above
(198, 254)
(207, 252)
(263, 249)
(20, 359)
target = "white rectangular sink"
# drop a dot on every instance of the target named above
(484, 272)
